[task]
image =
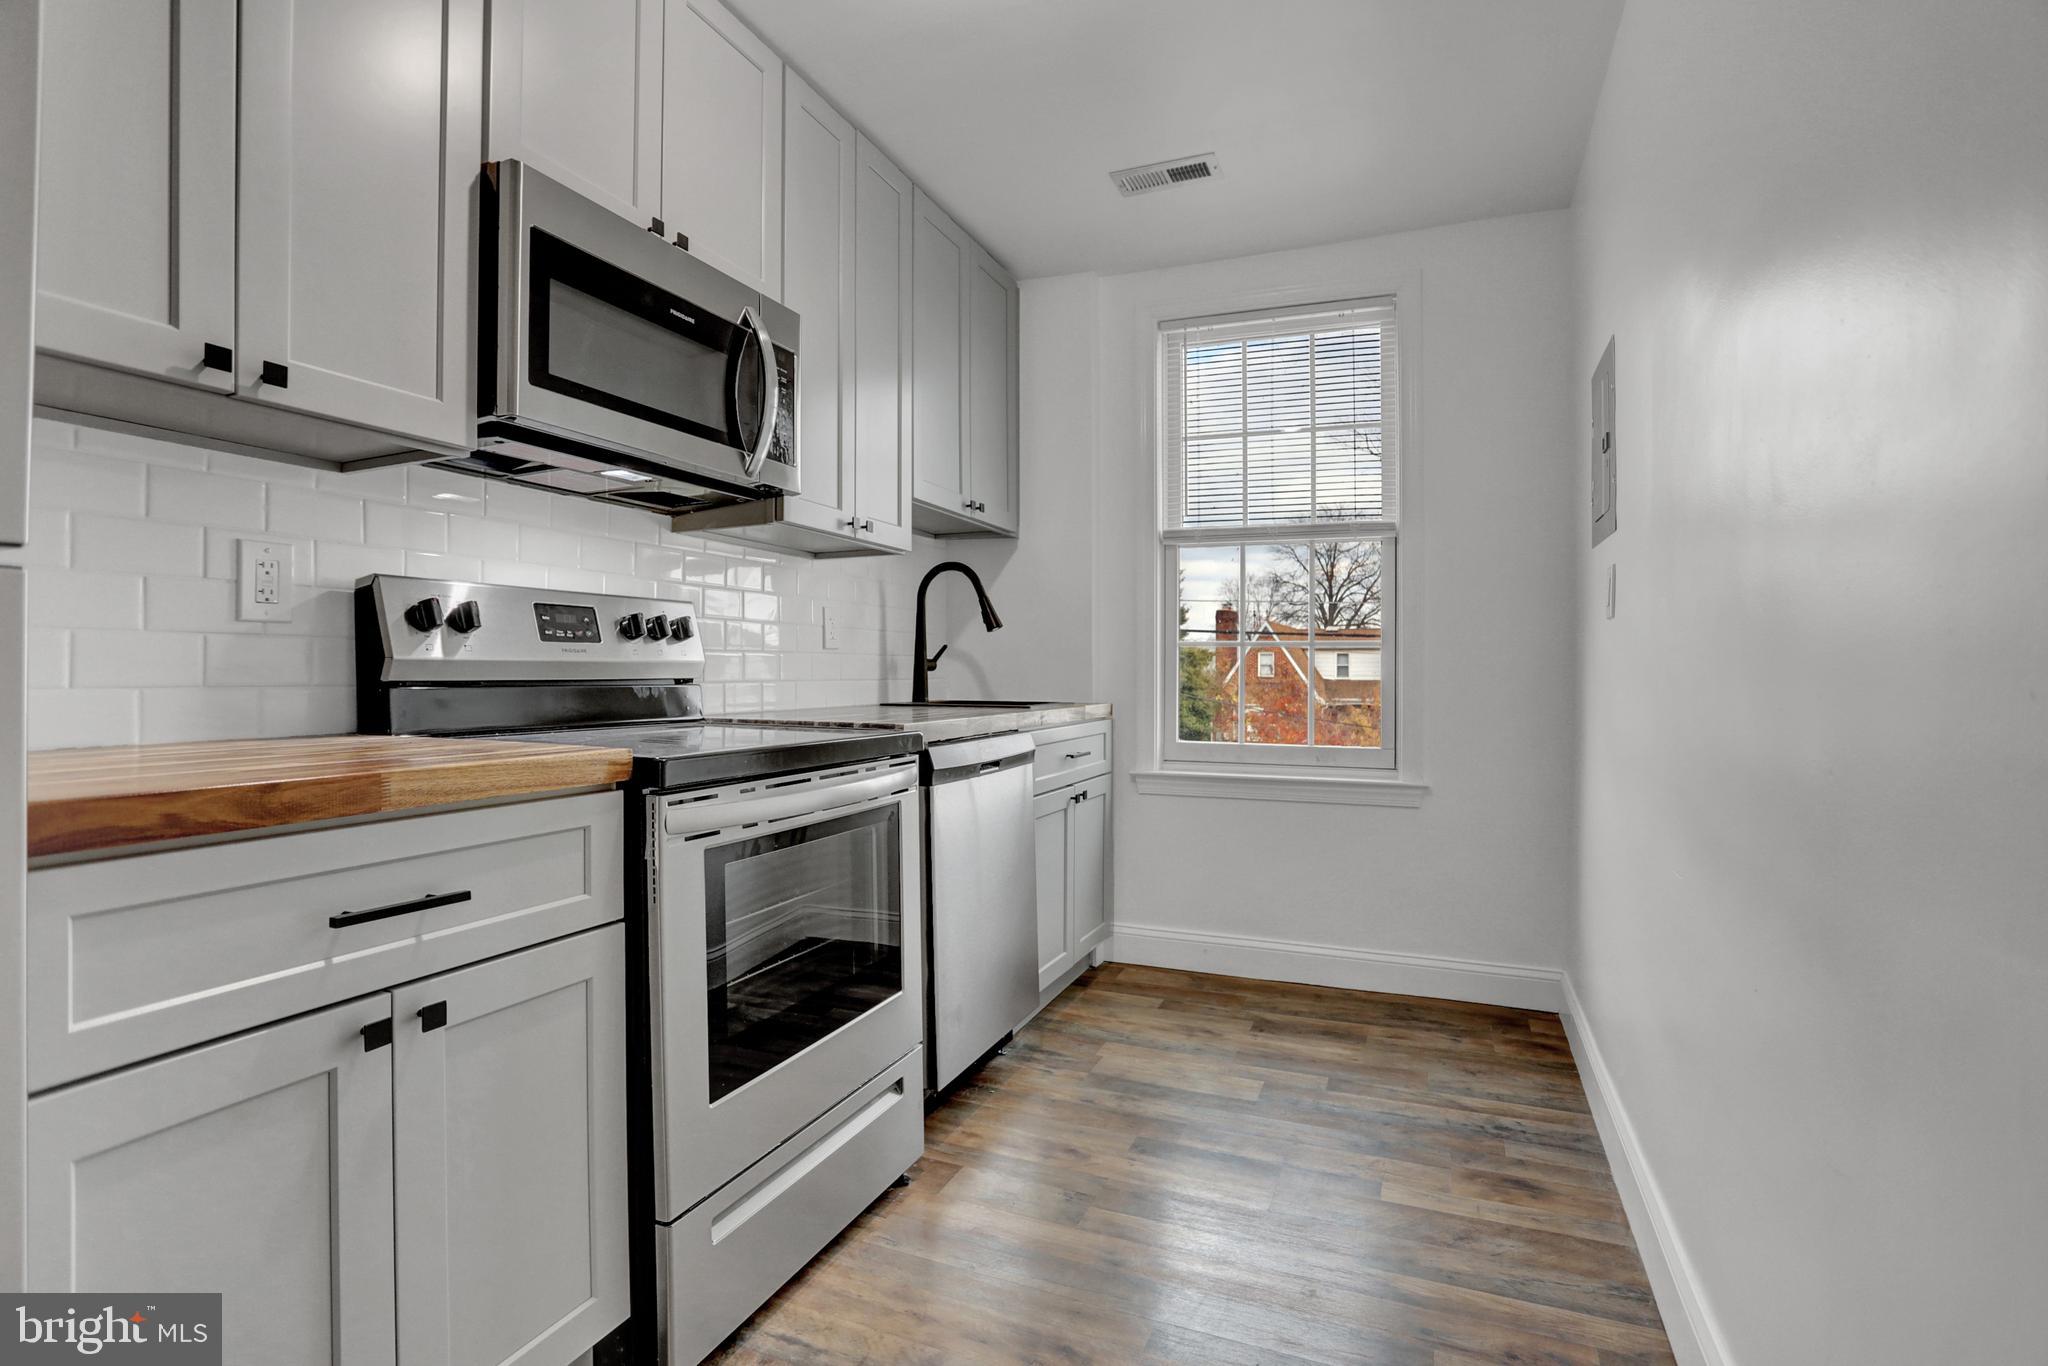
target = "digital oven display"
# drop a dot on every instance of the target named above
(566, 621)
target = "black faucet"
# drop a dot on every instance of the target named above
(921, 668)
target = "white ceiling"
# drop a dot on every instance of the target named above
(1332, 118)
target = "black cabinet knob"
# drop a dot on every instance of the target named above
(275, 375)
(684, 629)
(632, 626)
(465, 617)
(425, 615)
(214, 356)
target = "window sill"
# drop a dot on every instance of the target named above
(1269, 786)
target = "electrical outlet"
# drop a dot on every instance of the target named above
(829, 621)
(263, 581)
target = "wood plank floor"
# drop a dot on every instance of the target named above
(1171, 1167)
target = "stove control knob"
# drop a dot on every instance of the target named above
(425, 615)
(684, 629)
(631, 627)
(465, 617)
(657, 627)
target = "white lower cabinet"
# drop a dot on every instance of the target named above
(433, 1175)
(258, 1167)
(1072, 829)
(510, 1134)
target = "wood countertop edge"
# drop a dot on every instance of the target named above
(90, 822)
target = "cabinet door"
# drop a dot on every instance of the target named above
(721, 142)
(361, 124)
(259, 1167)
(991, 329)
(511, 1139)
(576, 94)
(939, 400)
(817, 279)
(884, 218)
(1049, 821)
(136, 258)
(1088, 868)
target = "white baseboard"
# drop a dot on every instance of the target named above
(1695, 1340)
(1331, 965)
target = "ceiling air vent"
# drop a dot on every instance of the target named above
(1162, 175)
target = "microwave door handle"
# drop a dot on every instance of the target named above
(771, 399)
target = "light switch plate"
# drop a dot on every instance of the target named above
(263, 580)
(830, 623)
(1604, 457)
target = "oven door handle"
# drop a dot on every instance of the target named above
(686, 818)
(771, 396)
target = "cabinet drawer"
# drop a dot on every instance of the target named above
(132, 957)
(722, 1260)
(1069, 754)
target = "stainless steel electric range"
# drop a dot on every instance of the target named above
(775, 925)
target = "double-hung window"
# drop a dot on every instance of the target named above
(1279, 535)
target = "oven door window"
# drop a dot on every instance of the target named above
(605, 336)
(803, 935)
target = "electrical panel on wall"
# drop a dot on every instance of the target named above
(1603, 446)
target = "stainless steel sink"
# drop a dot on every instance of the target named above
(978, 703)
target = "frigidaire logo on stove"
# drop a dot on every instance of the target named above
(167, 1330)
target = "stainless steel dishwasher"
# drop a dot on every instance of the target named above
(980, 898)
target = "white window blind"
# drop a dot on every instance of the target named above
(1281, 419)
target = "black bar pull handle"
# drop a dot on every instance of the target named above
(433, 1016)
(376, 1035)
(275, 375)
(214, 356)
(425, 903)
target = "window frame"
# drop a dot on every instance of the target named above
(1193, 767)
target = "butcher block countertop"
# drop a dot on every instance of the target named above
(81, 800)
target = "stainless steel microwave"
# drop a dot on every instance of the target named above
(616, 365)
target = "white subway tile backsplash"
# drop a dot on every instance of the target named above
(68, 597)
(135, 659)
(126, 543)
(60, 478)
(386, 483)
(339, 566)
(49, 657)
(407, 528)
(489, 540)
(539, 545)
(184, 495)
(423, 564)
(315, 516)
(212, 713)
(606, 555)
(134, 552)
(61, 717)
(576, 580)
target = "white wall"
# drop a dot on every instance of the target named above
(1812, 938)
(1044, 582)
(132, 632)
(1482, 870)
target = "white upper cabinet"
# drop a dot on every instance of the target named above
(991, 330)
(884, 219)
(940, 403)
(136, 261)
(361, 121)
(966, 382)
(721, 142)
(817, 281)
(575, 93)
